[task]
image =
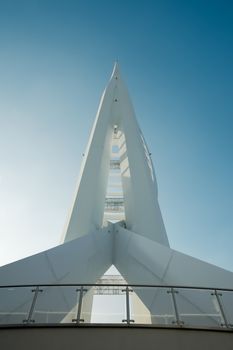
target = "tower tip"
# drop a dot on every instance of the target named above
(115, 72)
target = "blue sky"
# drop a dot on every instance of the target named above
(176, 58)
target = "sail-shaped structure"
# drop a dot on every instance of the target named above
(117, 140)
(115, 217)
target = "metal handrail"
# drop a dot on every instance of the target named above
(222, 323)
(113, 285)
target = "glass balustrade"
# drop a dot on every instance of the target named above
(198, 308)
(15, 303)
(226, 299)
(161, 306)
(55, 305)
(108, 305)
(151, 305)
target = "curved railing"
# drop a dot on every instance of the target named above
(148, 305)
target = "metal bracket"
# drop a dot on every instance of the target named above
(125, 290)
(128, 321)
(77, 321)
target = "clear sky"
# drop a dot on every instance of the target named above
(177, 60)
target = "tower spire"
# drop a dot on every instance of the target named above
(116, 70)
(116, 119)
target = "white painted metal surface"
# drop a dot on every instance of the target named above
(116, 120)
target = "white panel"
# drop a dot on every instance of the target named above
(82, 260)
(143, 261)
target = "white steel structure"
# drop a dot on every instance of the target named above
(115, 218)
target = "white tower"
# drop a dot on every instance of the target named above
(117, 141)
(115, 218)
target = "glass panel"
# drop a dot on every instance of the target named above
(198, 307)
(226, 299)
(56, 305)
(150, 305)
(15, 304)
(109, 305)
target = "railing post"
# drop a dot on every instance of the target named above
(78, 319)
(177, 316)
(36, 291)
(127, 320)
(217, 295)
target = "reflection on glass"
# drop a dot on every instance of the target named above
(15, 304)
(108, 305)
(198, 308)
(226, 298)
(150, 305)
(56, 305)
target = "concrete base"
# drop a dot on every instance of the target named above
(113, 338)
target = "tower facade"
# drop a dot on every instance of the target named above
(124, 185)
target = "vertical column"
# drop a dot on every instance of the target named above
(78, 319)
(127, 320)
